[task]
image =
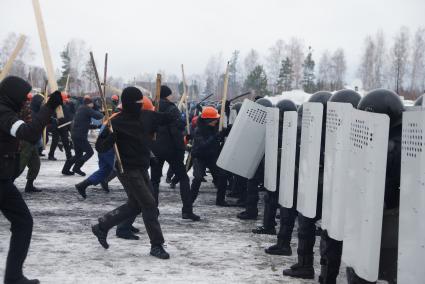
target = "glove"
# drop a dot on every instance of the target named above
(55, 100)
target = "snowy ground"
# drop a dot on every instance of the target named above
(219, 249)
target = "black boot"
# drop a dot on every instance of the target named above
(134, 229)
(52, 158)
(303, 269)
(101, 235)
(66, 170)
(281, 248)
(23, 280)
(105, 186)
(191, 216)
(79, 171)
(159, 252)
(264, 231)
(128, 235)
(29, 187)
(247, 215)
(82, 186)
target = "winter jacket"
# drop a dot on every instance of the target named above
(206, 141)
(82, 120)
(36, 103)
(13, 94)
(133, 135)
(169, 140)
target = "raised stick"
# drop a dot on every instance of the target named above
(224, 98)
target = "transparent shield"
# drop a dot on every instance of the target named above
(287, 165)
(365, 192)
(411, 248)
(271, 151)
(244, 147)
(311, 132)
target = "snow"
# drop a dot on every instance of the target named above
(297, 96)
(219, 249)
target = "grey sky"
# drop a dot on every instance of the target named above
(145, 36)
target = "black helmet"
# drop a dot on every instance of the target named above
(320, 97)
(237, 106)
(383, 101)
(419, 100)
(264, 102)
(346, 96)
(286, 105)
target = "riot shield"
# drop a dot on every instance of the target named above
(244, 147)
(271, 151)
(338, 123)
(411, 248)
(365, 192)
(232, 116)
(287, 162)
(308, 179)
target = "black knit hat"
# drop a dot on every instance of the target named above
(165, 92)
(129, 97)
(14, 91)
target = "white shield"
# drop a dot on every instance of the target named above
(338, 123)
(244, 147)
(232, 116)
(411, 248)
(271, 151)
(287, 162)
(365, 192)
(308, 179)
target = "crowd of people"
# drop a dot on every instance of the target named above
(145, 138)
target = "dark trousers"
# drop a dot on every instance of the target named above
(271, 204)
(104, 171)
(252, 192)
(199, 167)
(83, 152)
(287, 223)
(140, 200)
(29, 158)
(62, 134)
(179, 169)
(330, 258)
(17, 213)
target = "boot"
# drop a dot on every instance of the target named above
(79, 171)
(66, 170)
(101, 235)
(303, 269)
(247, 215)
(29, 187)
(105, 186)
(264, 231)
(23, 280)
(134, 229)
(281, 248)
(191, 216)
(127, 235)
(52, 158)
(352, 277)
(82, 186)
(159, 252)
(172, 185)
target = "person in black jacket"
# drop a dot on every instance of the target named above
(13, 94)
(205, 151)
(132, 136)
(169, 146)
(80, 129)
(36, 103)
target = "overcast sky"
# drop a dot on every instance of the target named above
(145, 36)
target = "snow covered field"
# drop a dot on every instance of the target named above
(219, 249)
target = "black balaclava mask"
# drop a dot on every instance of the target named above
(130, 99)
(13, 92)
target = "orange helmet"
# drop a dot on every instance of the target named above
(115, 98)
(210, 112)
(147, 104)
(65, 97)
(29, 96)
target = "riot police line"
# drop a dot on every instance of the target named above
(354, 162)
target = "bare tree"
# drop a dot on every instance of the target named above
(325, 71)
(399, 58)
(338, 70)
(295, 53)
(379, 60)
(213, 71)
(417, 75)
(19, 67)
(274, 63)
(251, 61)
(366, 68)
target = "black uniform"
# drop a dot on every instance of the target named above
(62, 133)
(13, 93)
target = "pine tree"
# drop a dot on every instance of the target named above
(286, 76)
(66, 67)
(308, 73)
(257, 81)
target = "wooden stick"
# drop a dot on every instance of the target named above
(12, 57)
(224, 98)
(46, 53)
(158, 91)
(105, 107)
(66, 85)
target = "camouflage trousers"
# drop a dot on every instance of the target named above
(29, 158)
